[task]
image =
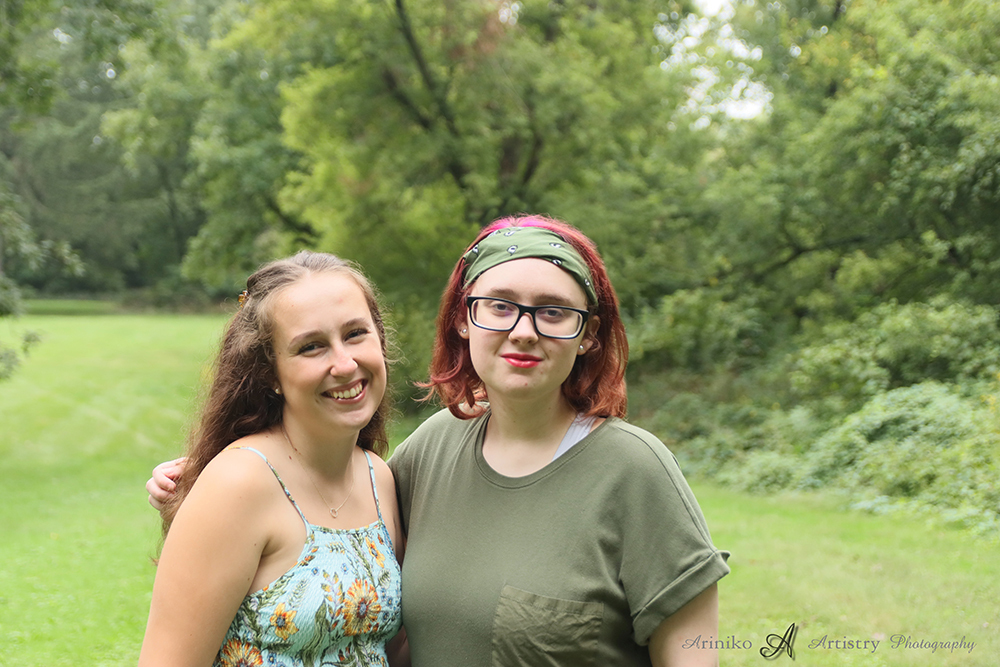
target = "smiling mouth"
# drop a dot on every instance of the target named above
(347, 394)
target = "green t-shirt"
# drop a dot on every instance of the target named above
(574, 565)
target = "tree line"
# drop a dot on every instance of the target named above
(828, 259)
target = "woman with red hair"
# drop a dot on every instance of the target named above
(543, 529)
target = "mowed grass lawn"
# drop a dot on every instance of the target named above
(105, 397)
(96, 404)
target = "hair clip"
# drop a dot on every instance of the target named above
(242, 298)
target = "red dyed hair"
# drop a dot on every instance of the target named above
(595, 386)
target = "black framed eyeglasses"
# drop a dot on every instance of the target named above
(493, 314)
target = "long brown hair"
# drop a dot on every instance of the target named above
(241, 400)
(595, 386)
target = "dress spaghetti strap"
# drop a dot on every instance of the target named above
(283, 487)
(338, 604)
(378, 508)
(371, 474)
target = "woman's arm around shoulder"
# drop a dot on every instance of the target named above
(208, 562)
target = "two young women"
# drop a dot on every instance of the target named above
(541, 528)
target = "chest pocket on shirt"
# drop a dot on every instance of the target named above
(539, 631)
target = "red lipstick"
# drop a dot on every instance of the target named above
(521, 360)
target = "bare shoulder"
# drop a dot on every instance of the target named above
(378, 463)
(386, 486)
(239, 474)
(383, 475)
(223, 530)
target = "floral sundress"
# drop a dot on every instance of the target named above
(338, 605)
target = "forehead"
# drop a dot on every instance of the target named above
(318, 301)
(532, 281)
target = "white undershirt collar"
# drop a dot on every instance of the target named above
(576, 432)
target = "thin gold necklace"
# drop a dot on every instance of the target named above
(350, 465)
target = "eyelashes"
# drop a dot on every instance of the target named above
(311, 346)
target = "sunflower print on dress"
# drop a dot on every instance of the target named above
(235, 653)
(339, 604)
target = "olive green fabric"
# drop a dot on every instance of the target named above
(512, 243)
(574, 565)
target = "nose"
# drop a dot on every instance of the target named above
(524, 329)
(342, 362)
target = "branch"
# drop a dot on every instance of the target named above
(454, 165)
(799, 252)
(534, 156)
(530, 167)
(304, 229)
(425, 72)
(400, 96)
(839, 8)
(749, 273)
(172, 206)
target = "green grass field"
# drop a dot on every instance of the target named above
(70, 307)
(851, 577)
(103, 398)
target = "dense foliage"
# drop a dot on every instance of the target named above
(809, 287)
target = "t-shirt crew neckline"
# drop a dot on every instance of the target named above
(493, 477)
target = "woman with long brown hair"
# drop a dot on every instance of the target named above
(279, 541)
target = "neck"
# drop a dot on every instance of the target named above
(530, 420)
(327, 456)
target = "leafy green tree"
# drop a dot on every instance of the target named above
(872, 177)
(882, 141)
(128, 226)
(433, 120)
(849, 240)
(389, 132)
(18, 241)
(203, 104)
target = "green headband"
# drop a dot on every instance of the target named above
(510, 243)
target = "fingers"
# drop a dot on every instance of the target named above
(165, 473)
(161, 485)
(157, 505)
(158, 494)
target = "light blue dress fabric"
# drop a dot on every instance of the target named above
(338, 605)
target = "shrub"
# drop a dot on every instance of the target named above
(925, 443)
(762, 471)
(895, 346)
(697, 330)
(751, 447)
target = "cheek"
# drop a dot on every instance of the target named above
(478, 351)
(376, 360)
(565, 356)
(569, 357)
(280, 370)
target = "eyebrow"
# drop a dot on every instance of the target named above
(349, 324)
(544, 299)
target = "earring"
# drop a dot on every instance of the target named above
(581, 347)
(277, 390)
(465, 331)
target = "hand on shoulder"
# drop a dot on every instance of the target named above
(162, 484)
